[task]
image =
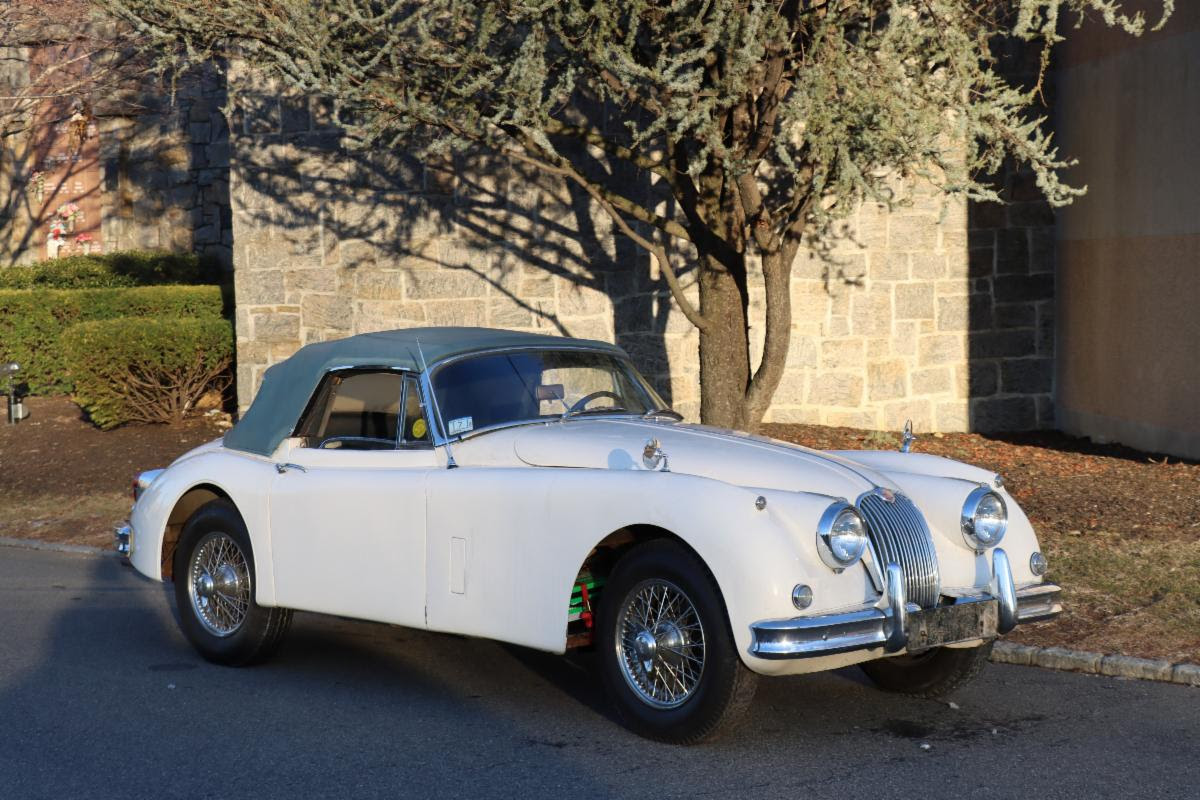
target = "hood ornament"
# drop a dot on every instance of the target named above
(887, 494)
(907, 438)
(653, 456)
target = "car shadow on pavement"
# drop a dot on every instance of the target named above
(99, 688)
(102, 696)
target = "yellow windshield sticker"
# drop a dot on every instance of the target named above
(419, 429)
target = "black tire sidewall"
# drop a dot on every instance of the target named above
(703, 711)
(940, 673)
(218, 516)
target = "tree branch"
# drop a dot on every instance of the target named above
(562, 167)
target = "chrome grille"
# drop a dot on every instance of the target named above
(901, 537)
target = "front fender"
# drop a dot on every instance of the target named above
(521, 567)
(244, 478)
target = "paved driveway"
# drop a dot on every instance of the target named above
(100, 697)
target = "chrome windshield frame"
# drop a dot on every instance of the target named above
(433, 409)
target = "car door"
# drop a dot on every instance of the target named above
(347, 506)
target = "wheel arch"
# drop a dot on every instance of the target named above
(606, 553)
(185, 506)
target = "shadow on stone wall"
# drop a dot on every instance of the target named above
(348, 240)
(154, 166)
(1011, 268)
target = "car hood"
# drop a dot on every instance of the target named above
(729, 456)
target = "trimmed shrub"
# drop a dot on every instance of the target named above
(113, 271)
(146, 370)
(32, 322)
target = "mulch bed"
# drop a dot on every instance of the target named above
(64, 480)
(56, 450)
(1121, 528)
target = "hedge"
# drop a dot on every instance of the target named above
(32, 322)
(146, 370)
(113, 271)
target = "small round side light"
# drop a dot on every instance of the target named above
(802, 596)
(760, 503)
(1037, 564)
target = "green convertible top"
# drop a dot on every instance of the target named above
(287, 386)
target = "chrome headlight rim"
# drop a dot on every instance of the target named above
(825, 534)
(970, 514)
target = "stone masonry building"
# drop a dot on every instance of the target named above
(927, 313)
(982, 317)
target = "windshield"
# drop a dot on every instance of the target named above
(520, 386)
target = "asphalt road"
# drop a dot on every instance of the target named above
(100, 696)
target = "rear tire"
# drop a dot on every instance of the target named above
(215, 583)
(667, 657)
(933, 674)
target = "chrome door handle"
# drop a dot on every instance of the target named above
(282, 468)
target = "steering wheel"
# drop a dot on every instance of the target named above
(581, 403)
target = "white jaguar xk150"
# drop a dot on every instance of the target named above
(536, 490)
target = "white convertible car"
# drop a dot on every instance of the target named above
(536, 490)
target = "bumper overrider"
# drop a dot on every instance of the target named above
(121, 536)
(905, 626)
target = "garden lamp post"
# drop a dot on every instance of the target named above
(16, 409)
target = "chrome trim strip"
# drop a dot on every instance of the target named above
(1038, 602)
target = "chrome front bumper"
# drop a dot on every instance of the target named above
(893, 628)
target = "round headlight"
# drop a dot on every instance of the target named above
(984, 519)
(841, 536)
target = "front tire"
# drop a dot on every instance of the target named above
(214, 590)
(933, 674)
(667, 657)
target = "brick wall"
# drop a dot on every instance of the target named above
(154, 169)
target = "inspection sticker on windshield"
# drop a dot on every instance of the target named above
(460, 425)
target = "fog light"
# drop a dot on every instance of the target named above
(802, 596)
(1037, 564)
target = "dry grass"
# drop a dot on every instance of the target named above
(86, 519)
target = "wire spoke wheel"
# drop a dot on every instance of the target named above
(660, 644)
(219, 584)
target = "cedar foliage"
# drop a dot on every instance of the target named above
(762, 122)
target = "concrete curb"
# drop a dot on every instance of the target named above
(55, 547)
(1061, 658)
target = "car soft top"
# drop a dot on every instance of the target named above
(287, 386)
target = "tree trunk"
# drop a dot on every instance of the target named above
(724, 346)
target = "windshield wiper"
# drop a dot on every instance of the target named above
(582, 411)
(663, 412)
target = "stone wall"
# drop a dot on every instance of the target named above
(889, 325)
